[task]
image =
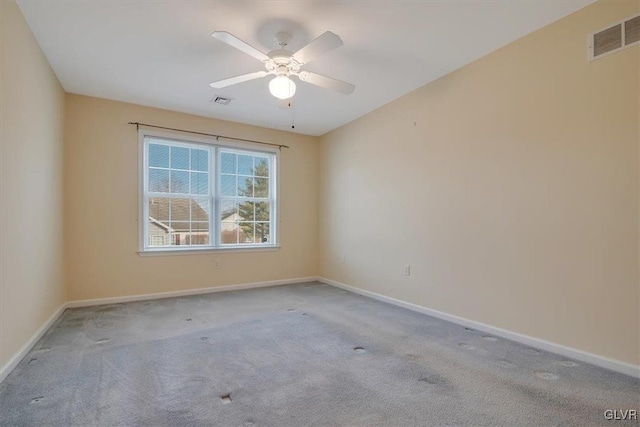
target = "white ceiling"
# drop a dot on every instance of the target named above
(161, 54)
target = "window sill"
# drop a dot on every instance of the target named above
(205, 251)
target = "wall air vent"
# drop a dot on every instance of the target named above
(632, 31)
(614, 38)
(221, 100)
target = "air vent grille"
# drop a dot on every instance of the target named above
(607, 40)
(632, 30)
(221, 100)
(614, 38)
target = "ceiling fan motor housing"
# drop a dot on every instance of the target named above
(283, 38)
(281, 62)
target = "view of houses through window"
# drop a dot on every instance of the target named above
(207, 196)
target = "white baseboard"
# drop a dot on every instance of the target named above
(15, 360)
(172, 294)
(594, 359)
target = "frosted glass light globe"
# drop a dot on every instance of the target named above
(282, 87)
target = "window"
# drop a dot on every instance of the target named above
(197, 195)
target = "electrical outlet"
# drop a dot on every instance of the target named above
(216, 265)
(343, 259)
(407, 270)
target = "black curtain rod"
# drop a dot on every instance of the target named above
(138, 124)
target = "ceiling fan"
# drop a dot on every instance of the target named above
(285, 64)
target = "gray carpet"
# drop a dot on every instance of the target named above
(300, 355)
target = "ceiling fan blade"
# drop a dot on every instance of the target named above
(232, 40)
(237, 79)
(326, 82)
(322, 44)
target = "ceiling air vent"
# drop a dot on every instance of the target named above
(221, 100)
(614, 38)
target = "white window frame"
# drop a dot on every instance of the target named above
(214, 146)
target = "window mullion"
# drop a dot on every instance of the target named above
(214, 203)
(273, 188)
(145, 193)
(170, 204)
(145, 217)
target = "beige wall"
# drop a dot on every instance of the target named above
(101, 207)
(510, 186)
(31, 228)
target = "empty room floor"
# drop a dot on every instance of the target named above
(307, 354)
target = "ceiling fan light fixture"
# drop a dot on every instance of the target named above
(282, 87)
